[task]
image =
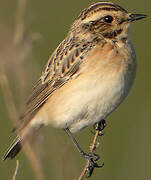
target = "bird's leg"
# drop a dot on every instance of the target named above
(91, 157)
(74, 141)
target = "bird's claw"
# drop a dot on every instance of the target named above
(92, 165)
(92, 158)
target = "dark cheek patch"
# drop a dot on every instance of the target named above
(112, 34)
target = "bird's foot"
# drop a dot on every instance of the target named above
(92, 158)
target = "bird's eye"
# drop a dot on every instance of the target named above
(108, 19)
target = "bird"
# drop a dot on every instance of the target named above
(86, 78)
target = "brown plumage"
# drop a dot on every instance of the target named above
(94, 66)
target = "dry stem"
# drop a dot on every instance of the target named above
(92, 149)
(17, 45)
(16, 170)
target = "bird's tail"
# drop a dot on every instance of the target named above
(24, 135)
(14, 149)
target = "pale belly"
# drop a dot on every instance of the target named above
(100, 101)
(84, 102)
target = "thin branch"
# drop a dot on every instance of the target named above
(8, 97)
(20, 22)
(93, 147)
(16, 170)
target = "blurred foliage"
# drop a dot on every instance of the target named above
(125, 147)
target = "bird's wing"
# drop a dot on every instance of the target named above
(62, 65)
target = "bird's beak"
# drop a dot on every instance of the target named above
(135, 17)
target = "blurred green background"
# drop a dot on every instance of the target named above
(125, 147)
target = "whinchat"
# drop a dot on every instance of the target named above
(86, 78)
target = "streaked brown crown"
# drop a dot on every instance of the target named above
(102, 18)
(99, 6)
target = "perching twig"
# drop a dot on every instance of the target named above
(16, 170)
(93, 147)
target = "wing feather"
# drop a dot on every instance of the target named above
(62, 65)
